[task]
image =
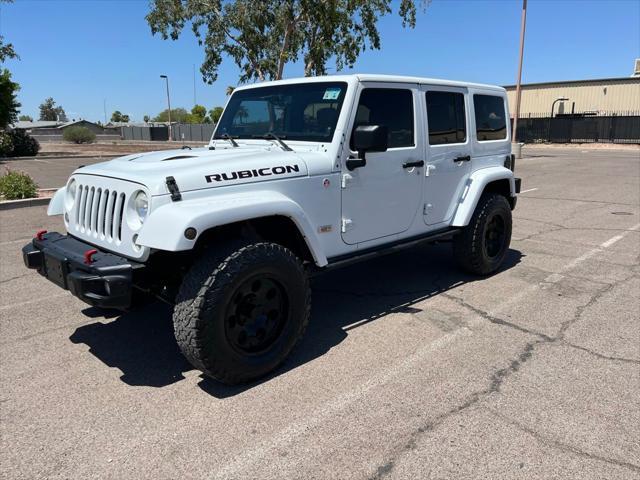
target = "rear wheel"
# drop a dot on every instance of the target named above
(241, 310)
(483, 244)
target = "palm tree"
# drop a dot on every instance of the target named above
(230, 90)
(242, 113)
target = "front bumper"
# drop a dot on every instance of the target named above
(514, 199)
(106, 280)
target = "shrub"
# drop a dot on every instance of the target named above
(17, 143)
(16, 185)
(6, 144)
(79, 135)
(24, 145)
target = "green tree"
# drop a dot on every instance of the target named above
(49, 111)
(118, 116)
(25, 118)
(263, 36)
(198, 114)
(8, 99)
(178, 115)
(229, 90)
(6, 49)
(215, 113)
(146, 119)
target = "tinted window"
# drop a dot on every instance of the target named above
(306, 111)
(390, 107)
(491, 123)
(446, 118)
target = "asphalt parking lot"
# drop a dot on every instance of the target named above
(409, 368)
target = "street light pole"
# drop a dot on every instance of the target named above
(523, 24)
(168, 103)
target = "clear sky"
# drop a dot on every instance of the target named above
(82, 52)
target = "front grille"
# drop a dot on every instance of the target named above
(100, 212)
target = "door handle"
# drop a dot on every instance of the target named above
(466, 158)
(417, 163)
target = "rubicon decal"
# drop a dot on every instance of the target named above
(256, 172)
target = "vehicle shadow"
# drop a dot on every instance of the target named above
(141, 343)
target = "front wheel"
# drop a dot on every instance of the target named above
(241, 309)
(483, 244)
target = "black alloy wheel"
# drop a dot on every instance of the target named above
(258, 312)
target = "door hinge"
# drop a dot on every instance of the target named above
(427, 208)
(346, 224)
(346, 180)
(428, 170)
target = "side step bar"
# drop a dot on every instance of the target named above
(386, 249)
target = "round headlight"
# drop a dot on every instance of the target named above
(141, 204)
(70, 197)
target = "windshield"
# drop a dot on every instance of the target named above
(305, 111)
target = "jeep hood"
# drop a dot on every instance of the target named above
(203, 168)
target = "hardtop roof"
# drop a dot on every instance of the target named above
(374, 78)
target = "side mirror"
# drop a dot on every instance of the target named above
(368, 138)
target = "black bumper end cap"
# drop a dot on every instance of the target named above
(105, 291)
(32, 257)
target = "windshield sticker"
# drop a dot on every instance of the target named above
(331, 94)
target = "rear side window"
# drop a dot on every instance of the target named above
(446, 118)
(390, 107)
(491, 122)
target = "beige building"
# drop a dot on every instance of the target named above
(615, 95)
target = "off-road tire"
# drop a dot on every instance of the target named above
(207, 294)
(470, 245)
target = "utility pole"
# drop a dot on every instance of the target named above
(168, 103)
(522, 30)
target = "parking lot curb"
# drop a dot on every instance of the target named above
(27, 202)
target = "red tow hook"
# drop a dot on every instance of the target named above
(88, 254)
(40, 234)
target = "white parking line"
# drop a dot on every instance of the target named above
(250, 457)
(29, 302)
(530, 190)
(19, 240)
(556, 277)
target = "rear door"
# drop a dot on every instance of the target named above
(382, 198)
(448, 151)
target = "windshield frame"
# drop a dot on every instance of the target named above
(262, 92)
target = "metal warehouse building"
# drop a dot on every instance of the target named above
(601, 96)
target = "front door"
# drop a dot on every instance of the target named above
(382, 197)
(448, 151)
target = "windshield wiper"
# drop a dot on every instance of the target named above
(226, 136)
(273, 136)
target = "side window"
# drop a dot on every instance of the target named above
(391, 107)
(446, 118)
(491, 122)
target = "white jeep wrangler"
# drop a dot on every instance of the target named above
(300, 176)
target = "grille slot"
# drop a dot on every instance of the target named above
(100, 212)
